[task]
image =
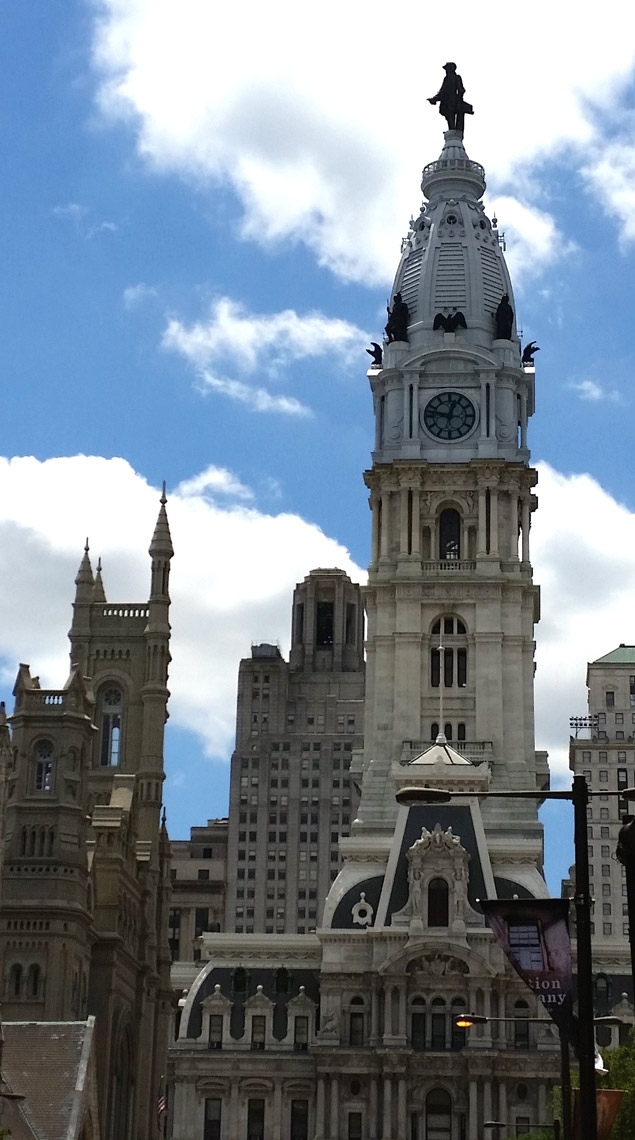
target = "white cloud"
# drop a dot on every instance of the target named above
(583, 552)
(593, 392)
(79, 216)
(531, 235)
(135, 294)
(262, 343)
(214, 481)
(583, 549)
(222, 596)
(610, 174)
(237, 95)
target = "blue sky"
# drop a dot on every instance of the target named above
(201, 215)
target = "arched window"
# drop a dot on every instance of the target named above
(111, 722)
(23, 841)
(438, 1115)
(434, 730)
(122, 1088)
(447, 728)
(460, 731)
(437, 1023)
(521, 1025)
(15, 980)
(51, 846)
(356, 1022)
(41, 842)
(452, 635)
(418, 1024)
(449, 535)
(602, 988)
(44, 766)
(438, 903)
(33, 981)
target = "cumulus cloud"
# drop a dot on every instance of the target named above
(262, 342)
(610, 174)
(583, 550)
(134, 295)
(593, 392)
(80, 218)
(531, 235)
(222, 597)
(335, 165)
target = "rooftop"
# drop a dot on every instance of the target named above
(623, 655)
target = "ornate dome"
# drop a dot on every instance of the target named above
(452, 261)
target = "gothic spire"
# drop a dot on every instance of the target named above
(161, 545)
(99, 594)
(84, 580)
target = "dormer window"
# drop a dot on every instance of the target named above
(44, 766)
(111, 720)
(438, 903)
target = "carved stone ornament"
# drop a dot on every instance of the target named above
(436, 853)
(362, 912)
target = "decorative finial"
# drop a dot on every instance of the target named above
(164, 497)
(86, 546)
(452, 105)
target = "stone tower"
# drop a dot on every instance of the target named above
(451, 498)
(350, 1033)
(85, 876)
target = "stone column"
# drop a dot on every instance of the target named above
(487, 1099)
(402, 1122)
(374, 507)
(335, 1109)
(481, 546)
(403, 1012)
(387, 1132)
(403, 520)
(372, 1110)
(493, 520)
(483, 425)
(277, 1131)
(502, 1102)
(415, 538)
(523, 421)
(542, 1102)
(234, 1103)
(472, 1116)
(525, 528)
(385, 525)
(374, 1016)
(319, 1109)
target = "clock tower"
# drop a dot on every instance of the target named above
(451, 601)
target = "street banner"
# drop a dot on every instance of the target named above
(608, 1102)
(534, 933)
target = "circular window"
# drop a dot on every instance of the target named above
(356, 1088)
(451, 220)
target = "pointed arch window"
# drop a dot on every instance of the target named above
(110, 728)
(44, 766)
(33, 981)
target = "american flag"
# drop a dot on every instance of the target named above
(161, 1106)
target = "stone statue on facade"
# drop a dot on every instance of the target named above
(397, 324)
(529, 351)
(452, 105)
(504, 319)
(376, 352)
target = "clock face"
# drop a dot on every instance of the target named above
(449, 415)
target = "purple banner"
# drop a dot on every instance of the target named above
(534, 933)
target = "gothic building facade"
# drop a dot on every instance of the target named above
(85, 871)
(349, 1032)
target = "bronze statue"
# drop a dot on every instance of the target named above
(529, 352)
(397, 325)
(376, 352)
(504, 319)
(450, 99)
(450, 323)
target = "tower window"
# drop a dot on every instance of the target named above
(324, 625)
(44, 766)
(450, 534)
(298, 625)
(438, 903)
(351, 623)
(111, 714)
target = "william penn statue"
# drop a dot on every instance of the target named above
(450, 99)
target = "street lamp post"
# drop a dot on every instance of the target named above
(579, 798)
(626, 855)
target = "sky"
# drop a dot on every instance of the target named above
(202, 207)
